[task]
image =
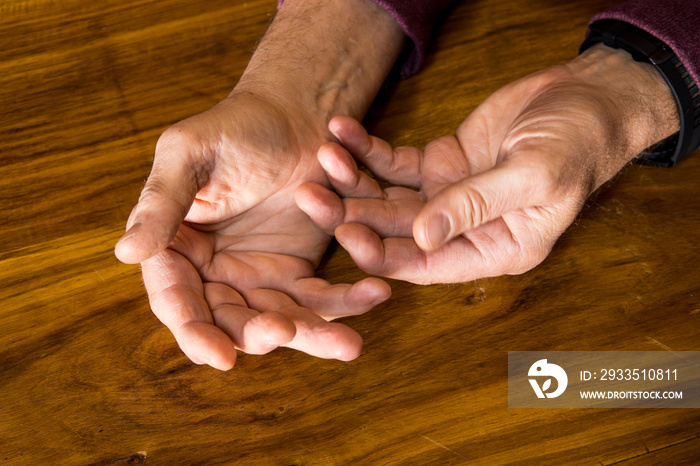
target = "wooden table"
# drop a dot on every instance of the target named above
(89, 376)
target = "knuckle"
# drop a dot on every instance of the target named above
(528, 261)
(176, 136)
(532, 252)
(154, 187)
(548, 178)
(473, 208)
(544, 176)
(555, 73)
(441, 146)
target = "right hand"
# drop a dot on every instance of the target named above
(495, 196)
(228, 259)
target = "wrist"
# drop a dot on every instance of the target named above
(324, 57)
(647, 48)
(642, 108)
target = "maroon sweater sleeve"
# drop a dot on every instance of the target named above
(675, 22)
(416, 18)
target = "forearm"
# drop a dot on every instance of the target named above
(325, 57)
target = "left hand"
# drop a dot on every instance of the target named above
(238, 273)
(228, 259)
(495, 197)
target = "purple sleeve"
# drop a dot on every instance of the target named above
(416, 18)
(676, 22)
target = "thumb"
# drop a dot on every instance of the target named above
(476, 200)
(164, 202)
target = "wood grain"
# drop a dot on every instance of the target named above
(89, 376)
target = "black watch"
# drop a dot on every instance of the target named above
(646, 48)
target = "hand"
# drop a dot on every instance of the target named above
(239, 271)
(495, 197)
(228, 259)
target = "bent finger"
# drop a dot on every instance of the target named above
(332, 301)
(401, 166)
(314, 335)
(401, 259)
(344, 175)
(322, 205)
(391, 216)
(252, 332)
(176, 295)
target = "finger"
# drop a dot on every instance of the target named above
(322, 205)
(176, 294)
(314, 335)
(165, 199)
(391, 216)
(445, 162)
(340, 300)
(343, 174)
(401, 259)
(401, 166)
(251, 331)
(374, 255)
(479, 199)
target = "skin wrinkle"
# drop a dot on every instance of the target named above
(242, 245)
(175, 290)
(407, 162)
(439, 261)
(462, 149)
(512, 237)
(523, 133)
(391, 214)
(473, 208)
(175, 137)
(223, 295)
(160, 262)
(318, 295)
(355, 177)
(421, 162)
(153, 191)
(208, 168)
(198, 252)
(443, 145)
(393, 166)
(489, 255)
(487, 235)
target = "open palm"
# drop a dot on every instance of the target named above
(228, 259)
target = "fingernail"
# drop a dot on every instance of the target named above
(126, 236)
(437, 230)
(131, 231)
(378, 301)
